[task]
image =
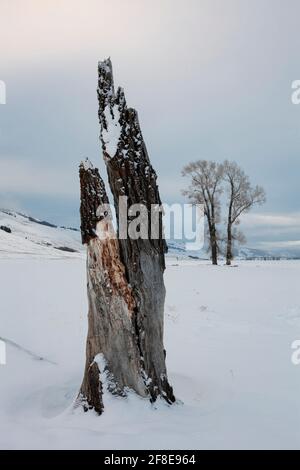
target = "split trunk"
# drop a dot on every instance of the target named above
(126, 289)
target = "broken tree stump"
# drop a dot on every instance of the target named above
(126, 289)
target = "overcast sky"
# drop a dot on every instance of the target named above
(210, 79)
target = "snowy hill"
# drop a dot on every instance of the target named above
(21, 235)
(177, 249)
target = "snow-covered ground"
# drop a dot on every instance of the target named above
(30, 237)
(228, 335)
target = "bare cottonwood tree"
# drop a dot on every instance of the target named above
(205, 188)
(241, 197)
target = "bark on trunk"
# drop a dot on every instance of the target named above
(214, 252)
(213, 243)
(229, 245)
(229, 230)
(212, 233)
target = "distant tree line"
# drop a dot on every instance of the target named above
(209, 182)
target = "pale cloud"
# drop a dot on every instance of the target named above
(272, 231)
(272, 220)
(24, 177)
(287, 244)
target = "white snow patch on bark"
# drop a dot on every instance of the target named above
(111, 135)
(87, 164)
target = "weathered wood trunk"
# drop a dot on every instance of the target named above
(131, 175)
(111, 341)
(126, 291)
